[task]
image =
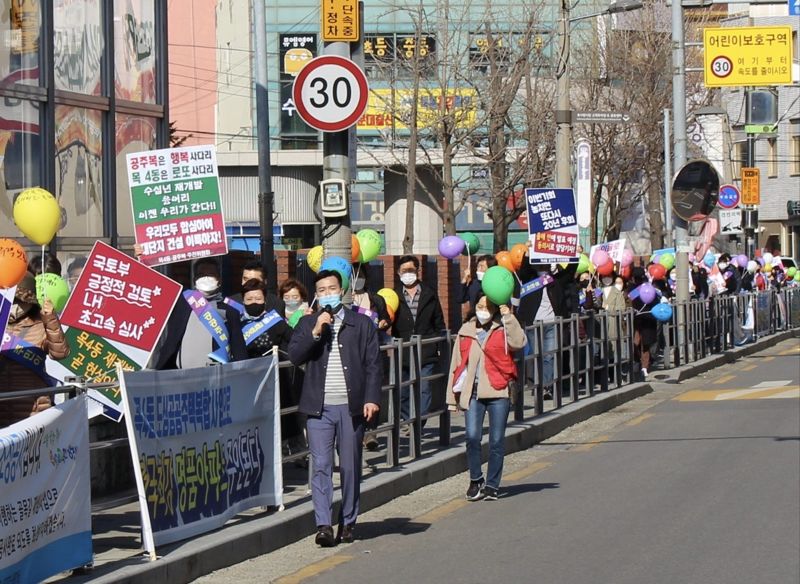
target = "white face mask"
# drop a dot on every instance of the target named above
(408, 278)
(483, 316)
(723, 265)
(207, 284)
(619, 287)
(607, 281)
(479, 275)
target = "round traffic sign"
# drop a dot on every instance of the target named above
(729, 196)
(721, 66)
(330, 93)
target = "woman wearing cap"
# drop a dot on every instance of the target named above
(36, 328)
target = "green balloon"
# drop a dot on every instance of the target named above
(53, 287)
(370, 243)
(667, 260)
(790, 273)
(797, 276)
(295, 318)
(498, 285)
(471, 243)
(583, 264)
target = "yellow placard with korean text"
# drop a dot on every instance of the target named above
(386, 110)
(747, 56)
(751, 186)
(339, 20)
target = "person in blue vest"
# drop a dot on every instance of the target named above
(202, 329)
(341, 395)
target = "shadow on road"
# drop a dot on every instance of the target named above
(512, 490)
(391, 526)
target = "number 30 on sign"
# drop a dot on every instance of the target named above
(330, 93)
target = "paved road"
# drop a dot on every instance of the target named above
(697, 483)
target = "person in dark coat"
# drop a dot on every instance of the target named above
(558, 298)
(185, 342)
(255, 271)
(341, 393)
(419, 313)
(471, 285)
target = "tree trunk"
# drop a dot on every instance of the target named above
(411, 173)
(656, 214)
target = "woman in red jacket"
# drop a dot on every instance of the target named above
(481, 369)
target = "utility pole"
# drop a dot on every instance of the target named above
(563, 110)
(679, 131)
(667, 181)
(266, 198)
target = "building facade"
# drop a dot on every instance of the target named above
(82, 83)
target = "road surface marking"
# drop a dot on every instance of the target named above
(766, 390)
(524, 473)
(723, 380)
(767, 359)
(441, 511)
(589, 445)
(748, 368)
(791, 351)
(314, 569)
(639, 420)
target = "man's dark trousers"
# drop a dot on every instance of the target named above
(335, 426)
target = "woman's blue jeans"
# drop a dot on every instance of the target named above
(498, 409)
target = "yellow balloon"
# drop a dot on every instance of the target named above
(37, 215)
(314, 257)
(391, 298)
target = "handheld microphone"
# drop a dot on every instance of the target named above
(329, 310)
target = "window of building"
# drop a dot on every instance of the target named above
(772, 158)
(738, 158)
(794, 166)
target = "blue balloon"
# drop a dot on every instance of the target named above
(662, 312)
(708, 260)
(339, 264)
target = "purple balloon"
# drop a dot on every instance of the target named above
(647, 293)
(451, 246)
(742, 260)
(761, 262)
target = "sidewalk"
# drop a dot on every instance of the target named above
(117, 542)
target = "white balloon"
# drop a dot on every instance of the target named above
(768, 257)
(752, 266)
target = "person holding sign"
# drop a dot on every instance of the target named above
(341, 393)
(33, 333)
(202, 329)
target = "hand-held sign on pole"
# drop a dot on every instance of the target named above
(330, 93)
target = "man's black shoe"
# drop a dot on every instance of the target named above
(345, 534)
(325, 536)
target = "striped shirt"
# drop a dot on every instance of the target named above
(335, 382)
(412, 301)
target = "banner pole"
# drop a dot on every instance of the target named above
(147, 529)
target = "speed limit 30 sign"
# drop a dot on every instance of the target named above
(330, 93)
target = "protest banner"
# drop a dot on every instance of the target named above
(115, 314)
(177, 210)
(614, 249)
(45, 508)
(552, 225)
(205, 445)
(6, 301)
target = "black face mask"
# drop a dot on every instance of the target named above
(584, 283)
(255, 309)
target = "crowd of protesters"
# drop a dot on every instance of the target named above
(483, 364)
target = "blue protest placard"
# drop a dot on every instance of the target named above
(6, 301)
(552, 225)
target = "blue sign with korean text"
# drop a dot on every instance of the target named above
(552, 225)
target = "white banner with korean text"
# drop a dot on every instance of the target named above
(205, 445)
(45, 505)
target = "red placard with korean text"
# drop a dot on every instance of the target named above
(121, 299)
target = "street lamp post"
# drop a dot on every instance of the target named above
(563, 113)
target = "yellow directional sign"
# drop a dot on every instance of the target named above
(751, 187)
(747, 56)
(339, 20)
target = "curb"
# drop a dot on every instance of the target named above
(685, 372)
(233, 544)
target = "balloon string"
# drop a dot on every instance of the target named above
(44, 280)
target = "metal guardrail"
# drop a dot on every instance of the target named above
(593, 352)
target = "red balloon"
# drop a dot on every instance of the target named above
(625, 272)
(606, 269)
(657, 271)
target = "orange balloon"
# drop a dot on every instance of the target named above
(13, 263)
(391, 312)
(355, 249)
(518, 255)
(504, 259)
(606, 269)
